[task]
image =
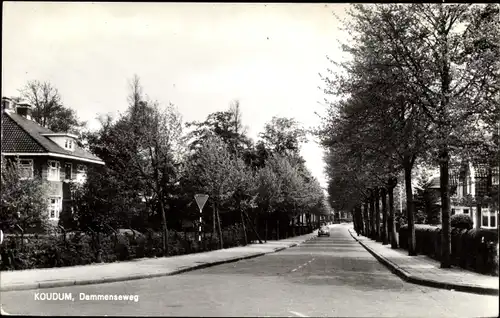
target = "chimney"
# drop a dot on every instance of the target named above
(24, 109)
(7, 104)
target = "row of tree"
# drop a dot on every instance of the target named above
(421, 86)
(155, 164)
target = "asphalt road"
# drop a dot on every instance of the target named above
(327, 276)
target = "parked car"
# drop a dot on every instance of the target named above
(324, 231)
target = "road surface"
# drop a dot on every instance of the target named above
(327, 276)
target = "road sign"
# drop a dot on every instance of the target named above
(201, 199)
(1, 236)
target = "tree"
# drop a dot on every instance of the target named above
(283, 135)
(227, 125)
(420, 56)
(149, 138)
(270, 193)
(214, 171)
(48, 109)
(24, 201)
(449, 56)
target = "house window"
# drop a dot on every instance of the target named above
(54, 207)
(464, 187)
(68, 144)
(53, 173)
(489, 219)
(452, 211)
(81, 172)
(466, 211)
(485, 219)
(26, 169)
(67, 171)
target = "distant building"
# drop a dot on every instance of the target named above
(55, 157)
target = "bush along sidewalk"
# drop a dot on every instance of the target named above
(471, 249)
(78, 248)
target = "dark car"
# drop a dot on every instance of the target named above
(324, 231)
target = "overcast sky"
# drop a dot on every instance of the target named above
(200, 57)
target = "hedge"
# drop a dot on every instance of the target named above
(472, 249)
(462, 221)
(80, 248)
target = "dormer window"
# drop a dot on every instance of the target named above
(64, 140)
(69, 144)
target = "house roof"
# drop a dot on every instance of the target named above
(23, 136)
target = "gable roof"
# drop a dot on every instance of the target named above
(25, 136)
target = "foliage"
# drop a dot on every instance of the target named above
(97, 205)
(213, 170)
(283, 135)
(24, 201)
(227, 125)
(462, 221)
(78, 248)
(426, 199)
(48, 109)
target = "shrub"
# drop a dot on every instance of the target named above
(425, 236)
(46, 251)
(462, 221)
(79, 248)
(474, 249)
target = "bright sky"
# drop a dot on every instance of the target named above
(199, 56)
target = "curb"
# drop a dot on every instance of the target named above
(66, 283)
(426, 282)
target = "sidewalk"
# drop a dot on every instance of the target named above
(426, 271)
(138, 268)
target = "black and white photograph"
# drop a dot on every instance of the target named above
(203, 159)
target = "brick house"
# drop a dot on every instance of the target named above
(468, 182)
(55, 157)
(476, 181)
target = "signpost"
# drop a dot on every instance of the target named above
(201, 199)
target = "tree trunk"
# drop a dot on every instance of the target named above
(392, 218)
(278, 229)
(359, 219)
(445, 209)
(354, 221)
(366, 223)
(244, 227)
(265, 236)
(220, 230)
(165, 229)
(409, 208)
(377, 214)
(385, 240)
(213, 218)
(373, 231)
(253, 227)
